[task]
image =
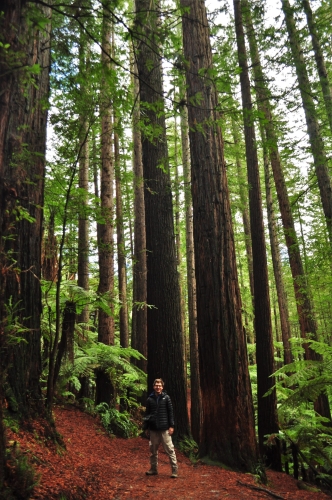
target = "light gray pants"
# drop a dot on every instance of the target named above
(157, 437)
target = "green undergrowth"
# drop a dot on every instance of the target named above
(188, 447)
(120, 424)
(21, 477)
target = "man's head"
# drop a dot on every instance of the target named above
(158, 385)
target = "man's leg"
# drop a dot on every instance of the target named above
(155, 437)
(170, 451)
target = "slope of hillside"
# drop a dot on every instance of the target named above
(95, 466)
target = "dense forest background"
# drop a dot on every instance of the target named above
(166, 211)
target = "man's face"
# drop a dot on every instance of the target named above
(158, 388)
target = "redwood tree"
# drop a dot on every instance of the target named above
(313, 127)
(24, 82)
(164, 331)
(267, 405)
(139, 313)
(105, 228)
(227, 432)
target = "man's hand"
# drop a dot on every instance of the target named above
(147, 433)
(170, 431)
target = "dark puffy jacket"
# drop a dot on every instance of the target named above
(161, 411)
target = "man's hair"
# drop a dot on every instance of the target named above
(160, 380)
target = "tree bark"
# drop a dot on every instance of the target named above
(267, 405)
(122, 277)
(196, 415)
(320, 61)
(23, 118)
(105, 229)
(269, 137)
(245, 214)
(164, 333)
(315, 137)
(139, 313)
(106, 326)
(227, 432)
(308, 325)
(83, 223)
(177, 223)
(276, 261)
(66, 343)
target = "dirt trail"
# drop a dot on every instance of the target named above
(97, 467)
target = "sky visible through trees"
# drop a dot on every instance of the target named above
(159, 113)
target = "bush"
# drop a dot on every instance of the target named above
(119, 424)
(21, 478)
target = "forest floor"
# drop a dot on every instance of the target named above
(96, 466)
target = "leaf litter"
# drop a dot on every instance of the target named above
(96, 466)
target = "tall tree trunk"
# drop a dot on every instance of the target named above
(83, 223)
(165, 356)
(308, 325)
(245, 212)
(195, 386)
(23, 117)
(177, 209)
(83, 184)
(320, 61)
(277, 268)
(123, 313)
(228, 432)
(139, 313)
(83, 179)
(269, 138)
(267, 405)
(105, 229)
(315, 137)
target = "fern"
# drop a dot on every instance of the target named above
(299, 384)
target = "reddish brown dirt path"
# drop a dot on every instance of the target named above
(98, 467)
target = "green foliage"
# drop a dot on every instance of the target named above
(119, 424)
(21, 478)
(299, 385)
(189, 447)
(13, 326)
(11, 422)
(303, 381)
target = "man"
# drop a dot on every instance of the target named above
(159, 427)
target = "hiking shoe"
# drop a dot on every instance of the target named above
(151, 472)
(174, 474)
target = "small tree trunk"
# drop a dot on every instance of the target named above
(177, 210)
(66, 343)
(123, 314)
(139, 321)
(83, 224)
(277, 268)
(195, 392)
(245, 216)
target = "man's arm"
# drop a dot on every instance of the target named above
(170, 416)
(147, 412)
